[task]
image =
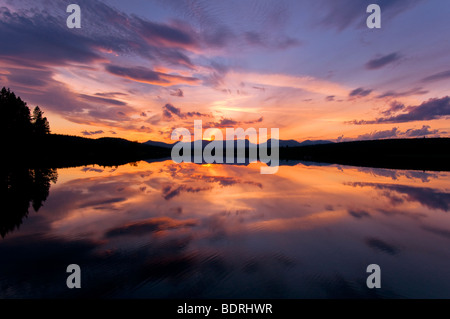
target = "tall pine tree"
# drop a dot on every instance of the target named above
(40, 123)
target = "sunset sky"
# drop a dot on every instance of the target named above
(139, 69)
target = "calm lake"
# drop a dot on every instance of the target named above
(166, 230)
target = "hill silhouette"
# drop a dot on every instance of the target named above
(417, 153)
(28, 142)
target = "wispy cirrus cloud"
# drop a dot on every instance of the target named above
(437, 76)
(396, 94)
(144, 75)
(334, 15)
(103, 100)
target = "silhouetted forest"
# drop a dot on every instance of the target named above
(28, 143)
(417, 153)
(19, 123)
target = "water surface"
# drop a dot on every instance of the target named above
(166, 230)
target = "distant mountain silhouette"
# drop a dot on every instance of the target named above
(159, 144)
(316, 142)
(418, 153)
(282, 143)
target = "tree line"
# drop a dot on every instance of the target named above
(19, 122)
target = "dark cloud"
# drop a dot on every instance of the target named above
(429, 197)
(52, 95)
(358, 213)
(224, 123)
(170, 192)
(91, 169)
(379, 134)
(171, 112)
(177, 92)
(102, 202)
(394, 133)
(395, 175)
(101, 100)
(33, 41)
(430, 110)
(43, 39)
(111, 94)
(198, 114)
(380, 62)
(415, 91)
(259, 88)
(87, 133)
(159, 33)
(424, 131)
(437, 77)
(393, 108)
(225, 180)
(144, 75)
(360, 92)
(382, 246)
(330, 98)
(149, 226)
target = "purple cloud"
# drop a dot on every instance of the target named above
(88, 133)
(101, 100)
(341, 19)
(430, 110)
(378, 63)
(437, 77)
(414, 91)
(379, 134)
(141, 74)
(177, 92)
(170, 112)
(360, 92)
(424, 131)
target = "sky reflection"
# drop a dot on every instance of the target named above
(168, 230)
